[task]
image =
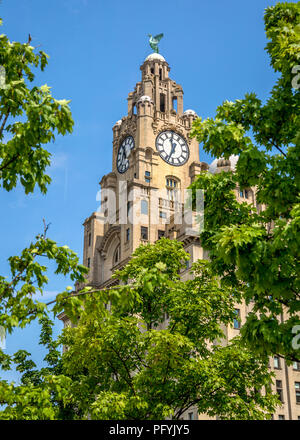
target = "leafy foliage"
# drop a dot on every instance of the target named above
(134, 366)
(121, 360)
(255, 247)
(124, 362)
(29, 118)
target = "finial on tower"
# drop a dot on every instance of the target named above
(153, 41)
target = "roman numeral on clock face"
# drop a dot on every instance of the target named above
(172, 148)
(123, 153)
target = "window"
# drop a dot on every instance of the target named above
(277, 362)
(127, 234)
(279, 390)
(90, 239)
(128, 208)
(297, 388)
(144, 207)
(171, 183)
(191, 415)
(144, 233)
(174, 103)
(147, 176)
(88, 262)
(236, 321)
(160, 74)
(116, 257)
(162, 214)
(296, 366)
(160, 234)
(152, 70)
(281, 417)
(188, 262)
(245, 193)
(170, 194)
(162, 103)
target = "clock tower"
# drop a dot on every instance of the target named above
(142, 199)
(153, 161)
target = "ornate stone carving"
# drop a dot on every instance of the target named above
(128, 126)
(157, 128)
(115, 230)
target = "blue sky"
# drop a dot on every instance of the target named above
(215, 49)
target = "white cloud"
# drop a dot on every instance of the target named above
(47, 295)
(58, 160)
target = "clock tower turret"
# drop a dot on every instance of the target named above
(152, 154)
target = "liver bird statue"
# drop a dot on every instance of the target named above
(153, 41)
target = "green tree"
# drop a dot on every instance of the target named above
(134, 367)
(120, 363)
(29, 118)
(123, 363)
(255, 249)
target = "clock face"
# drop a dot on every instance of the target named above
(172, 148)
(123, 153)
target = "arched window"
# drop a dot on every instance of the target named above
(117, 255)
(171, 183)
(188, 262)
(174, 103)
(172, 186)
(162, 102)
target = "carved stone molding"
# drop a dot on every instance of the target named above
(128, 127)
(157, 128)
(115, 230)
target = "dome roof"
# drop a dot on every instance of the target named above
(155, 56)
(223, 162)
(190, 112)
(145, 98)
(217, 163)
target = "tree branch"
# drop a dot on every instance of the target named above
(278, 148)
(4, 121)
(9, 162)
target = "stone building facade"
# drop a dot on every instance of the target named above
(153, 161)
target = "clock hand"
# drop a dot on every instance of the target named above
(173, 146)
